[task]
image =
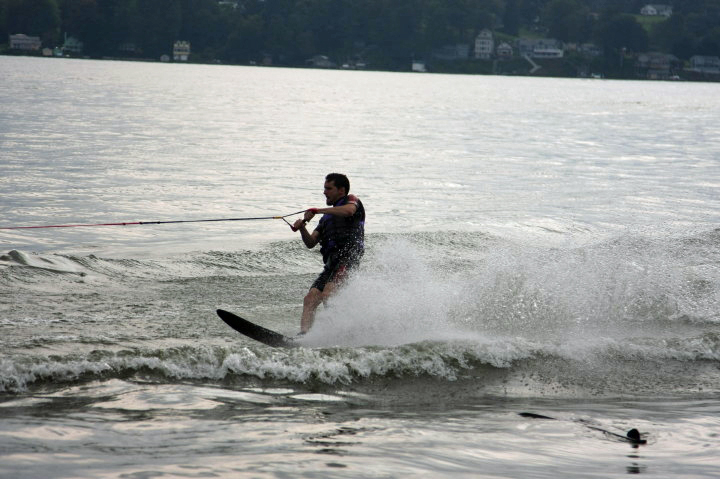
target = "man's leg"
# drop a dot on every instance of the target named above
(315, 296)
(310, 303)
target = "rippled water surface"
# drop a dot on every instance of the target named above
(534, 245)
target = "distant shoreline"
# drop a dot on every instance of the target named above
(550, 68)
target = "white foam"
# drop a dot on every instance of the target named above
(562, 299)
(54, 263)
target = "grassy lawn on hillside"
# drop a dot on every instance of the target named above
(648, 22)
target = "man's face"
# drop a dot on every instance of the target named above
(333, 193)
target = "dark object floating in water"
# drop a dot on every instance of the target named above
(632, 436)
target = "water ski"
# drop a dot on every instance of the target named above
(253, 331)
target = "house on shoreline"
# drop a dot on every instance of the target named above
(658, 66)
(24, 42)
(484, 45)
(540, 48)
(656, 10)
(181, 51)
(705, 64)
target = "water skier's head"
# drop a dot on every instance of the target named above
(337, 185)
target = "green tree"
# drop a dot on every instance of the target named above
(206, 25)
(672, 36)
(156, 26)
(530, 11)
(34, 17)
(80, 19)
(245, 41)
(438, 24)
(396, 32)
(102, 25)
(621, 32)
(710, 43)
(664, 34)
(567, 20)
(511, 17)
(3, 22)
(387, 33)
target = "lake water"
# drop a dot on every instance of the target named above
(534, 245)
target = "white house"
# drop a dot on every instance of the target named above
(540, 47)
(504, 50)
(484, 44)
(590, 50)
(128, 47)
(72, 45)
(705, 64)
(24, 42)
(181, 51)
(657, 66)
(320, 61)
(653, 10)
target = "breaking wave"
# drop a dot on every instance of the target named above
(512, 366)
(462, 313)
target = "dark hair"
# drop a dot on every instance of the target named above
(339, 180)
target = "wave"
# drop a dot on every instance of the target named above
(18, 267)
(510, 366)
(486, 315)
(443, 251)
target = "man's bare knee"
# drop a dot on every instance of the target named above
(313, 298)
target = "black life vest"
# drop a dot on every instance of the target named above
(343, 238)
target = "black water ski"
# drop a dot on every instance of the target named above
(253, 331)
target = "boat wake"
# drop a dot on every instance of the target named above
(630, 316)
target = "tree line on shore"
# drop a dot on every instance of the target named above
(385, 34)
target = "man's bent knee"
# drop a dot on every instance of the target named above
(313, 297)
(328, 291)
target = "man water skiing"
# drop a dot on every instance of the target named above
(341, 234)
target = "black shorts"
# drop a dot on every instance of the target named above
(334, 270)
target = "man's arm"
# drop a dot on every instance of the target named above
(344, 211)
(310, 239)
